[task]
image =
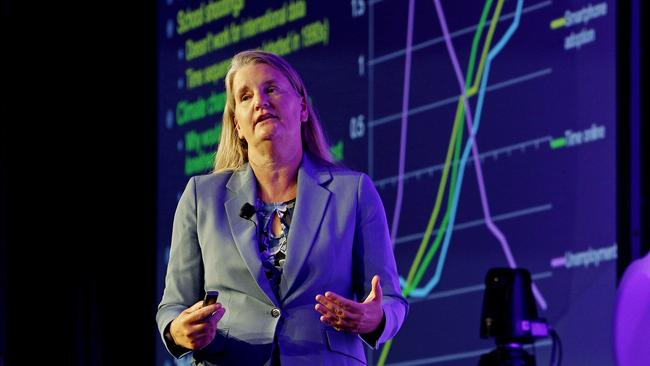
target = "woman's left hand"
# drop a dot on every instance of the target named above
(350, 316)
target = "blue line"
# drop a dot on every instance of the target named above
(425, 290)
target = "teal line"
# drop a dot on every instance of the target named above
(426, 289)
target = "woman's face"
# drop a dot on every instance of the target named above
(267, 108)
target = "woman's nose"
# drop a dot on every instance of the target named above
(261, 101)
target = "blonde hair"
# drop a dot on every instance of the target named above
(232, 152)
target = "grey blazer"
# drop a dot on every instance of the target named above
(337, 241)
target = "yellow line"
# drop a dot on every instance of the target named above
(384, 353)
(486, 48)
(558, 23)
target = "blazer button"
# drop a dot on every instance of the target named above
(275, 312)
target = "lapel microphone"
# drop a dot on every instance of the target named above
(247, 211)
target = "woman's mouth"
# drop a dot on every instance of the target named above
(265, 117)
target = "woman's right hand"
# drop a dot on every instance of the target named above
(196, 326)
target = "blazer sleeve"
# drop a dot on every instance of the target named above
(373, 254)
(184, 279)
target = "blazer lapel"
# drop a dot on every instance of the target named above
(243, 185)
(311, 202)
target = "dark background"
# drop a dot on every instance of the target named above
(78, 225)
(77, 193)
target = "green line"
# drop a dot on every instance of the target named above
(558, 143)
(558, 23)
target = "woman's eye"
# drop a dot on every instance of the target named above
(271, 89)
(245, 97)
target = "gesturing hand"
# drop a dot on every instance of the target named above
(196, 326)
(347, 315)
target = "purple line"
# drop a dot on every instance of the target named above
(405, 108)
(477, 163)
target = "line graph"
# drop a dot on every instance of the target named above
(429, 183)
(473, 127)
(415, 273)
